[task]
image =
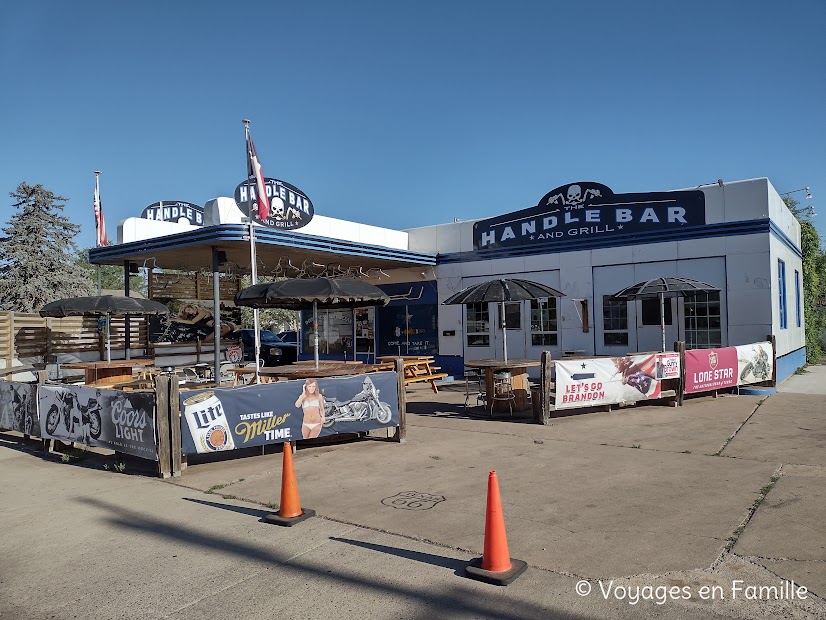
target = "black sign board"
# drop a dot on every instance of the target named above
(174, 211)
(590, 210)
(289, 206)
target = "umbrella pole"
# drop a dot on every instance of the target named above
(315, 331)
(108, 339)
(662, 318)
(504, 334)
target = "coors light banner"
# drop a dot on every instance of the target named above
(18, 407)
(604, 381)
(586, 210)
(122, 421)
(727, 367)
(231, 418)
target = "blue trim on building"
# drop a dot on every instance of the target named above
(684, 233)
(784, 239)
(226, 233)
(787, 364)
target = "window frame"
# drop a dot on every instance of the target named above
(781, 290)
(483, 311)
(609, 303)
(698, 320)
(546, 335)
(797, 297)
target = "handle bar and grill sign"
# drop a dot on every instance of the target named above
(290, 208)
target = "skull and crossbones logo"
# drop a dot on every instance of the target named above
(574, 198)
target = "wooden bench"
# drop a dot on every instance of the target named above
(432, 378)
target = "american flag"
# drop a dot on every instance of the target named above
(254, 167)
(100, 225)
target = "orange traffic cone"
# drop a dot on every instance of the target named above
(290, 511)
(495, 566)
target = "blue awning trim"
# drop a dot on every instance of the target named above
(225, 233)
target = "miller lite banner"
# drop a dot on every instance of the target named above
(221, 419)
(289, 206)
(174, 211)
(613, 380)
(727, 367)
(587, 210)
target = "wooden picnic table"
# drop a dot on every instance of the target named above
(418, 369)
(115, 371)
(519, 379)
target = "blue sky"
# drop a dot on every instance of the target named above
(408, 114)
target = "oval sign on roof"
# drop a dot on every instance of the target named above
(174, 211)
(289, 206)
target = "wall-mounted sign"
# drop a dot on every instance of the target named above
(587, 210)
(289, 206)
(174, 211)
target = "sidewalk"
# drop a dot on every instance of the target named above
(718, 490)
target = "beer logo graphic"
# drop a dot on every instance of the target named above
(208, 423)
(216, 437)
(712, 359)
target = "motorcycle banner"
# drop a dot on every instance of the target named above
(121, 421)
(18, 407)
(611, 380)
(755, 363)
(221, 419)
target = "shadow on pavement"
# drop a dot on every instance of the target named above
(457, 595)
(458, 566)
(252, 512)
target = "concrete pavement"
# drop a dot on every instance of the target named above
(716, 491)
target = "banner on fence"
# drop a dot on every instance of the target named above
(121, 421)
(610, 380)
(727, 367)
(18, 407)
(231, 418)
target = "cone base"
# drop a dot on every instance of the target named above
(276, 519)
(474, 570)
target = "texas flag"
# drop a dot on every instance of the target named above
(100, 225)
(254, 168)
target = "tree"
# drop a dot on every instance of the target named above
(37, 252)
(814, 282)
(111, 276)
(276, 319)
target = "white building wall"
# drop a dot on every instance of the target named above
(792, 337)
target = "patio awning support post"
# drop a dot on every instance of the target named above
(315, 332)
(216, 316)
(662, 318)
(127, 335)
(108, 340)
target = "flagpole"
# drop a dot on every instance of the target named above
(253, 257)
(97, 224)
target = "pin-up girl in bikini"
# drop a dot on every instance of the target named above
(312, 404)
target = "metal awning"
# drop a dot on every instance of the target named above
(192, 250)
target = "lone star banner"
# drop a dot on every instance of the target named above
(611, 380)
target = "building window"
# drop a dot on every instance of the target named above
(543, 322)
(781, 289)
(365, 330)
(614, 321)
(702, 321)
(797, 296)
(513, 315)
(478, 325)
(651, 311)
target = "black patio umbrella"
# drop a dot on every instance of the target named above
(315, 293)
(662, 288)
(502, 290)
(102, 305)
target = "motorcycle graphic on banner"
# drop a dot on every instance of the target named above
(119, 421)
(18, 407)
(603, 381)
(221, 419)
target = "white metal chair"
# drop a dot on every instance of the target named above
(502, 390)
(474, 386)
